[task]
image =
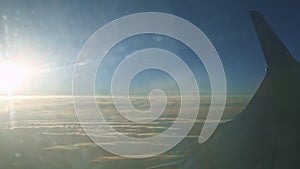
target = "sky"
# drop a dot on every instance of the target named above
(49, 35)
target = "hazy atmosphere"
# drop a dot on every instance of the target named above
(47, 121)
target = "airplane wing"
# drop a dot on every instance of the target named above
(266, 133)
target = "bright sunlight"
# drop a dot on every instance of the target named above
(12, 75)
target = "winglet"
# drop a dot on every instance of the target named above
(276, 54)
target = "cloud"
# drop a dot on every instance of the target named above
(117, 158)
(71, 147)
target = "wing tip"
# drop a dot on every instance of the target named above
(275, 52)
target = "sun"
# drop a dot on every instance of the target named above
(12, 75)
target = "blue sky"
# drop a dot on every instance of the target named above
(49, 35)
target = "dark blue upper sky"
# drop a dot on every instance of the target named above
(49, 35)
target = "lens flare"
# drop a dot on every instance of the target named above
(12, 75)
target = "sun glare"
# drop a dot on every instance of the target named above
(12, 75)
